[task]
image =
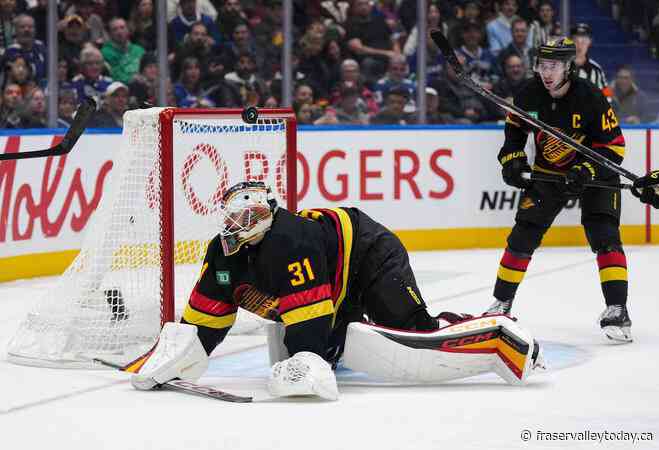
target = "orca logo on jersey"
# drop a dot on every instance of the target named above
(555, 151)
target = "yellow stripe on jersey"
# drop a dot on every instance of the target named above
(346, 228)
(613, 274)
(547, 171)
(510, 275)
(195, 317)
(297, 315)
(617, 149)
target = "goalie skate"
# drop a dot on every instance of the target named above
(616, 324)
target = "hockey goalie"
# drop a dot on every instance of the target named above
(336, 285)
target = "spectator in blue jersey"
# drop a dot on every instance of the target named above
(520, 46)
(115, 104)
(33, 51)
(480, 63)
(187, 90)
(396, 76)
(499, 30)
(181, 25)
(91, 82)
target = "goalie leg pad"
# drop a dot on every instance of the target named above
(485, 344)
(304, 373)
(178, 354)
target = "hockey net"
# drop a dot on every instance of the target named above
(143, 247)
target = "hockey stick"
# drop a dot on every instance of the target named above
(440, 41)
(188, 387)
(561, 180)
(85, 110)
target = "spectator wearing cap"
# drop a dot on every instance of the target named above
(72, 39)
(7, 31)
(12, 99)
(120, 53)
(545, 27)
(181, 25)
(348, 110)
(499, 30)
(629, 101)
(188, 90)
(33, 51)
(396, 75)
(91, 82)
(393, 112)
(480, 63)
(115, 104)
(586, 67)
(95, 31)
(370, 39)
(142, 24)
(34, 113)
(434, 115)
(520, 46)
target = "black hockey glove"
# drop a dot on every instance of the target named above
(647, 189)
(578, 176)
(514, 165)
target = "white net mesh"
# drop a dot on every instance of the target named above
(109, 302)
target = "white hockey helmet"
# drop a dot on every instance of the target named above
(246, 212)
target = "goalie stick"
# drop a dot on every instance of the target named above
(445, 47)
(83, 114)
(188, 387)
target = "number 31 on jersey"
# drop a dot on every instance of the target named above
(301, 272)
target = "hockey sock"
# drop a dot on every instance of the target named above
(613, 276)
(511, 273)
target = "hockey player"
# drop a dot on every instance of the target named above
(316, 272)
(647, 189)
(564, 101)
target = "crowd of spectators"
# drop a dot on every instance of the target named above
(354, 62)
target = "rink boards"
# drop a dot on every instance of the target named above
(437, 187)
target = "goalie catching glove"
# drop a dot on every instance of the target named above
(177, 355)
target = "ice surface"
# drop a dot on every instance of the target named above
(593, 386)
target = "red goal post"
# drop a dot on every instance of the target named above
(167, 117)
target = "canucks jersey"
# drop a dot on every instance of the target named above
(299, 274)
(583, 113)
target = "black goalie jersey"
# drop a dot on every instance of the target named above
(583, 113)
(299, 274)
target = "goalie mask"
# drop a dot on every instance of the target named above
(246, 213)
(555, 63)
